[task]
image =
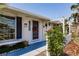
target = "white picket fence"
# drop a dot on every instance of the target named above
(67, 38)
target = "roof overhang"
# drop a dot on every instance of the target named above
(56, 22)
(27, 13)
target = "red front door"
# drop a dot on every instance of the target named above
(35, 30)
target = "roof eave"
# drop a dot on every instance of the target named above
(29, 13)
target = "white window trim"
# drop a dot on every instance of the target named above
(15, 32)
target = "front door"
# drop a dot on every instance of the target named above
(35, 30)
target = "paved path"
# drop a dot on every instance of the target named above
(27, 49)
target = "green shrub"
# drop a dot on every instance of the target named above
(4, 48)
(8, 48)
(55, 41)
(20, 45)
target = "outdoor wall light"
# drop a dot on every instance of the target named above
(46, 25)
(49, 23)
(25, 24)
(43, 26)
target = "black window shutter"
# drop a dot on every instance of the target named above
(19, 27)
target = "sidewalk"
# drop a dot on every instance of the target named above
(33, 49)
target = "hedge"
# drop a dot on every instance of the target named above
(55, 41)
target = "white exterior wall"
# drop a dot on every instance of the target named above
(46, 29)
(26, 34)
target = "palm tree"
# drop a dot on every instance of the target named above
(75, 7)
(74, 16)
(2, 5)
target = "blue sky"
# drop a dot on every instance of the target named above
(50, 10)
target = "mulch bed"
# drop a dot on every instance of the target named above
(42, 54)
(72, 49)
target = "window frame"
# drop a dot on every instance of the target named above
(14, 18)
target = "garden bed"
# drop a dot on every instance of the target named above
(71, 49)
(7, 48)
(43, 53)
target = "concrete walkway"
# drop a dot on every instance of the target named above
(30, 50)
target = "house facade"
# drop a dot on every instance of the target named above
(18, 25)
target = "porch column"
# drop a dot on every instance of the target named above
(63, 26)
(69, 27)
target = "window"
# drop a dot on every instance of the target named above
(7, 27)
